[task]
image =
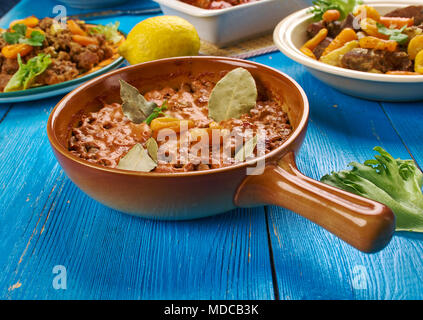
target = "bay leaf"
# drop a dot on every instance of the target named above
(233, 95)
(247, 150)
(152, 148)
(137, 159)
(134, 106)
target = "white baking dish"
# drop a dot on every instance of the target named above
(223, 27)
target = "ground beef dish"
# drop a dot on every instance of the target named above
(105, 136)
(69, 59)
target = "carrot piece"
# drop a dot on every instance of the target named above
(342, 38)
(29, 22)
(170, 123)
(74, 28)
(11, 51)
(319, 37)
(402, 73)
(84, 40)
(378, 44)
(311, 44)
(396, 22)
(308, 52)
(331, 15)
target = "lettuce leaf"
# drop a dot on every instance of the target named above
(27, 72)
(394, 182)
(110, 31)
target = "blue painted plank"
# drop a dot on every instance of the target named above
(311, 263)
(407, 119)
(4, 109)
(44, 8)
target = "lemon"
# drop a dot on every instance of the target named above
(160, 37)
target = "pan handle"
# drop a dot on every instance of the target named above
(365, 224)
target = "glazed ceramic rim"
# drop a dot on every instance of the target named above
(235, 62)
(283, 38)
(53, 87)
(200, 12)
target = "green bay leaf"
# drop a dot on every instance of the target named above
(134, 106)
(246, 150)
(137, 159)
(233, 95)
(152, 148)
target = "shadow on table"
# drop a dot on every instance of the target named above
(410, 235)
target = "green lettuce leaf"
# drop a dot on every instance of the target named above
(394, 182)
(110, 31)
(24, 77)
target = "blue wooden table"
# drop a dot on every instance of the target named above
(49, 228)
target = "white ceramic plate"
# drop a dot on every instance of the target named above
(290, 35)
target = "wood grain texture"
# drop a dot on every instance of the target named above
(46, 221)
(407, 119)
(311, 263)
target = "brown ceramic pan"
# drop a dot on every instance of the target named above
(365, 224)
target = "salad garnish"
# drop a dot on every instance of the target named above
(35, 39)
(110, 31)
(394, 182)
(27, 72)
(343, 6)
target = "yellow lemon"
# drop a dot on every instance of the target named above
(160, 37)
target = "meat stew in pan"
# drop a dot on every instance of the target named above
(364, 40)
(216, 120)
